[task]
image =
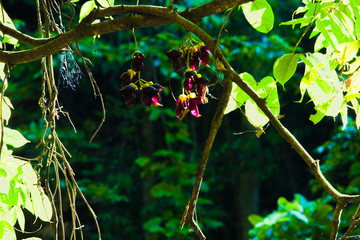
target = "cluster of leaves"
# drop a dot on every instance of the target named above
(20, 187)
(299, 219)
(331, 79)
(332, 73)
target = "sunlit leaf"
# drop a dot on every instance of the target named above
(330, 39)
(346, 52)
(285, 67)
(6, 231)
(238, 97)
(4, 185)
(41, 204)
(20, 218)
(14, 138)
(344, 116)
(300, 216)
(317, 117)
(86, 8)
(254, 219)
(6, 20)
(103, 3)
(255, 116)
(259, 14)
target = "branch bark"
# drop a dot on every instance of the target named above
(151, 16)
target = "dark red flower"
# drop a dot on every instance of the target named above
(138, 61)
(188, 103)
(201, 87)
(175, 56)
(193, 102)
(182, 107)
(189, 82)
(204, 55)
(127, 77)
(150, 95)
(194, 61)
(129, 92)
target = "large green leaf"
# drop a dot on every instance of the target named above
(285, 67)
(41, 204)
(86, 8)
(14, 138)
(259, 14)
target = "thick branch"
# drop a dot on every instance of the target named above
(151, 16)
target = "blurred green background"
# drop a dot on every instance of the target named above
(139, 171)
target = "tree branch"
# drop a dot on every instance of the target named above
(215, 125)
(151, 16)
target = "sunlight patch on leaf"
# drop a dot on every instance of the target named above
(260, 15)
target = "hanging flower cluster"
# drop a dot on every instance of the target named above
(130, 86)
(195, 86)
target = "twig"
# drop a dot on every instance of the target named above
(215, 125)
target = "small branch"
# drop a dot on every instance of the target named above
(215, 125)
(335, 222)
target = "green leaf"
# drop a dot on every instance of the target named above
(4, 185)
(254, 219)
(255, 116)
(238, 97)
(330, 39)
(259, 14)
(14, 138)
(232, 103)
(299, 215)
(6, 231)
(3, 172)
(41, 204)
(142, 161)
(103, 3)
(13, 194)
(6, 20)
(6, 111)
(270, 94)
(316, 118)
(86, 8)
(285, 67)
(20, 218)
(346, 52)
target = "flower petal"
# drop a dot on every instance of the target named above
(129, 92)
(204, 55)
(173, 54)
